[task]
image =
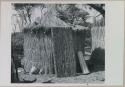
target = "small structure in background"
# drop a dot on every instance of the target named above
(98, 34)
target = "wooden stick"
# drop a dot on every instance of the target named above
(83, 64)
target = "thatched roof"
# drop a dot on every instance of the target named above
(49, 20)
(79, 27)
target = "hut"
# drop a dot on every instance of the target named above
(49, 46)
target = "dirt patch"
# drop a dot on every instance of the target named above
(95, 77)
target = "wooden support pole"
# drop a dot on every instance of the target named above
(83, 64)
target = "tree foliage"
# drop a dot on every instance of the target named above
(72, 14)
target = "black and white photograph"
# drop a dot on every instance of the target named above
(62, 43)
(58, 43)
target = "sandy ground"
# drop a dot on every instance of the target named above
(95, 77)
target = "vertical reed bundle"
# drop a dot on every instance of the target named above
(64, 52)
(98, 34)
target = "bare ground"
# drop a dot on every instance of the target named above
(95, 77)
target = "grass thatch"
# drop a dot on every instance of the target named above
(98, 34)
(64, 53)
(37, 49)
